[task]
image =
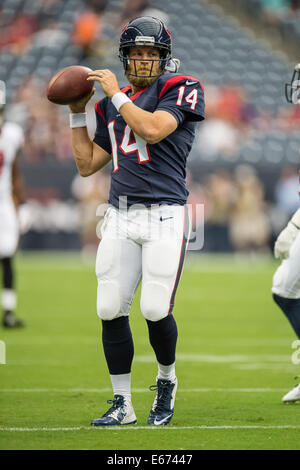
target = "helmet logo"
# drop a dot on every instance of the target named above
(144, 40)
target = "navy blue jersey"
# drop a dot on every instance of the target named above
(151, 173)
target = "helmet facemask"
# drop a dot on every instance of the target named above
(143, 76)
(127, 61)
(292, 90)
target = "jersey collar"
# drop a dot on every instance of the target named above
(133, 97)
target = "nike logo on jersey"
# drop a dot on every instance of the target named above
(165, 218)
(190, 83)
(157, 422)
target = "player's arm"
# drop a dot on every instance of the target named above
(89, 156)
(287, 236)
(152, 127)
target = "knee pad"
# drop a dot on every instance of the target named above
(154, 301)
(108, 300)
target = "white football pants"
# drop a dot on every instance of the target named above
(286, 280)
(147, 244)
(9, 229)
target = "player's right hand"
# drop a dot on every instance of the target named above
(107, 80)
(284, 241)
(79, 106)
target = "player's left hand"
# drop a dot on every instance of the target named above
(285, 240)
(107, 80)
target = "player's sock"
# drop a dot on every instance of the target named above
(118, 345)
(291, 308)
(166, 372)
(9, 300)
(121, 384)
(163, 338)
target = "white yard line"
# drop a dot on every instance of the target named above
(289, 368)
(137, 428)
(45, 340)
(149, 358)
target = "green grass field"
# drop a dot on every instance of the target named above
(233, 362)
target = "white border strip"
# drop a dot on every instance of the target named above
(142, 390)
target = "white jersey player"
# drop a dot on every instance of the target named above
(286, 280)
(11, 197)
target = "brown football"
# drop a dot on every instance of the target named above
(69, 85)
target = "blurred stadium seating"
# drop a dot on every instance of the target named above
(248, 121)
(276, 19)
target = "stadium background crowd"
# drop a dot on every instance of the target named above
(245, 160)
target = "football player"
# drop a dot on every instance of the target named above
(12, 196)
(147, 130)
(286, 280)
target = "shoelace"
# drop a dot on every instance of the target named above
(164, 392)
(116, 403)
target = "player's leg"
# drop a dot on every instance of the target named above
(118, 269)
(8, 246)
(286, 286)
(162, 262)
(286, 293)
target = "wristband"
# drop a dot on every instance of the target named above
(119, 99)
(77, 120)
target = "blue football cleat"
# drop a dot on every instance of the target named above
(163, 407)
(121, 412)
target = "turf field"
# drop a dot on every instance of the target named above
(233, 362)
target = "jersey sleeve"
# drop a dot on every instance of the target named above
(183, 97)
(101, 137)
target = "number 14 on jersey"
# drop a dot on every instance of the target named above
(131, 143)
